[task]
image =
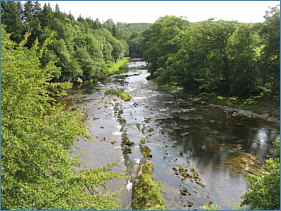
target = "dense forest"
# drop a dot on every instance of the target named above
(43, 50)
(234, 59)
(81, 48)
(131, 32)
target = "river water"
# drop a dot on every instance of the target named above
(222, 147)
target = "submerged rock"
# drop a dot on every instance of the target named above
(245, 161)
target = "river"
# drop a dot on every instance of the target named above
(222, 147)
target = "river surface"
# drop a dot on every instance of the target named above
(222, 147)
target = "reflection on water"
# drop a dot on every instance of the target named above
(215, 143)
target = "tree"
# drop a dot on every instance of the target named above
(70, 39)
(215, 41)
(36, 9)
(37, 162)
(244, 52)
(28, 11)
(12, 18)
(270, 32)
(160, 41)
(46, 16)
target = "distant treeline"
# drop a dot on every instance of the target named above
(82, 48)
(234, 59)
(131, 32)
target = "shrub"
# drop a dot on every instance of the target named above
(264, 191)
(38, 168)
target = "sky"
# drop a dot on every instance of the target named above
(150, 11)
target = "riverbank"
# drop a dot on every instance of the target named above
(264, 108)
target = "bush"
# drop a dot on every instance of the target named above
(210, 207)
(264, 191)
(37, 135)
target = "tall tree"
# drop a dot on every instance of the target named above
(11, 16)
(244, 52)
(160, 41)
(46, 16)
(270, 32)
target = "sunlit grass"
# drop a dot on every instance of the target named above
(115, 67)
(249, 104)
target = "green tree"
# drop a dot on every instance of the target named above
(270, 32)
(216, 44)
(107, 54)
(37, 162)
(160, 41)
(244, 52)
(71, 39)
(11, 16)
(28, 11)
(135, 43)
(46, 16)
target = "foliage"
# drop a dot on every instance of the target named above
(38, 167)
(82, 48)
(264, 191)
(131, 32)
(270, 54)
(210, 207)
(181, 151)
(161, 41)
(226, 57)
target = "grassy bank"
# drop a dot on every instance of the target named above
(115, 67)
(257, 104)
(260, 104)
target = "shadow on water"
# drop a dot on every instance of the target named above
(200, 153)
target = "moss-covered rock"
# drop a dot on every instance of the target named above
(126, 150)
(143, 141)
(125, 96)
(146, 192)
(126, 140)
(146, 152)
(122, 121)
